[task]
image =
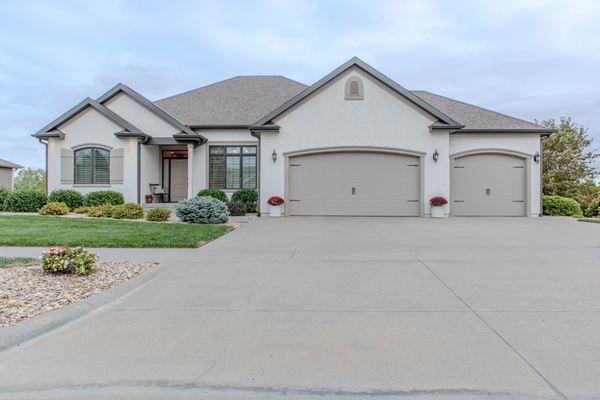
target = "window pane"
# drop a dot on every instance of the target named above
(83, 166)
(216, 172)
(233, 150)
(217, 150)
(233, 172)
(249, 172)
(101, 166)
(249, 150)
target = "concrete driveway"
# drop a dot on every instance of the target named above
(343, 308)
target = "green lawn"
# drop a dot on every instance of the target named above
(31, 230)
(12, 261)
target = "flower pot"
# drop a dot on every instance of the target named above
(437, 212)
(148, 199)
(275, 211)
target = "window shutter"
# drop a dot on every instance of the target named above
(116, 166)
(66, 166)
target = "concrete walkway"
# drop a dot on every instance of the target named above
(342, 308)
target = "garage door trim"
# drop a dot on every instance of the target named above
(526, 157)
(365, 149)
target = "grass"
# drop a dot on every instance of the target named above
(15, 261)
(32, 230)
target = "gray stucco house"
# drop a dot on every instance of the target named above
(7, 170)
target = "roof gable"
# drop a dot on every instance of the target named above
(444, 119)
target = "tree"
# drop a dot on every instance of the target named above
(31, 179)
(569, 161)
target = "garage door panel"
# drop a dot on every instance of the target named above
(489, 185)
(354, 183)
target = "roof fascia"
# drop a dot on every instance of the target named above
(541, 131)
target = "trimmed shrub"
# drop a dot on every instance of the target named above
(247, 196)
(236, 208)
(3, 195)
(54, 208)
(158, 215)
(128, 211)
(593, 209)
(202, 210)
(82, 210)
(65, 260)
(558, 205)
(72, 198)
(214, 193)
(102, 197)
(103, 211)
(25, 201)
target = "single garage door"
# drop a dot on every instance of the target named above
(488, 185)
(354, 183)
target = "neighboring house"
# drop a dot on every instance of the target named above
(353, 143)
(7, 169)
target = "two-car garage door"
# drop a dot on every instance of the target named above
(354, 183)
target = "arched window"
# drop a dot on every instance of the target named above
(92, 166)
(354, 89)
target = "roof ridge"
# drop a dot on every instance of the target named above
(476, 106)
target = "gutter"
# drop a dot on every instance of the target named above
(139, 171)
(41, 140)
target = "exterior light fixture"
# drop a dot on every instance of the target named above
(436, 155)
(537, 157)
(274, 156)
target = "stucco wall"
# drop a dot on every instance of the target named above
(150, 168)
(527, 143)
(90, 127)
(6, 178)
(382, 119)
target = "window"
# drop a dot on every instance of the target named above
(92, 166)
(232, 167)
(354, 89)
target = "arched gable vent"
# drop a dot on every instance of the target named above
(354, 89)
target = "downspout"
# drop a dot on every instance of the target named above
(258, 170)
(139, 165)
(542, 176)
(46, 164)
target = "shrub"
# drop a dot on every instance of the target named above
(202, 210)
(128, 211)
(103, 211)
(236, 208)
(54, 208)
(437, 201)
(65, 260)
(3, 195)
(158, 215)
(275, 201)
(214, 193)
(593, 209)
(558, 205)
(72, 198)
(247, 196)
(102, 197)
(25, 201)
(82, 210)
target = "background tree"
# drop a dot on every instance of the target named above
(569, 159)
(31, 179)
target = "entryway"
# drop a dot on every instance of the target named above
(175, 173)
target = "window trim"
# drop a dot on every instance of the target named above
(241, 155)
(93, 181)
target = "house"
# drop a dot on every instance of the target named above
(353, 143)
(7, 169)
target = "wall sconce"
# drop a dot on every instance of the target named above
(274, 156)
(436, 155)
(537, 157)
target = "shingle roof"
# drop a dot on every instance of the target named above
(242, 100)
(474, 117)
(8, 164)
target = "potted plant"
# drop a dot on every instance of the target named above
(275, 203)
(149, 198)
(437, 206)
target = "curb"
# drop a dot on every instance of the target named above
(15, 335)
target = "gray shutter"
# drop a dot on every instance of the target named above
(67, 166)
(116, 166)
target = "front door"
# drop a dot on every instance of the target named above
(179, 179)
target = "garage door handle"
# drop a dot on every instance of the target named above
(459, 201)
(294, 200)
(413, 201)
(518, 201)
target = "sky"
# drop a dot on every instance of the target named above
(529, 59)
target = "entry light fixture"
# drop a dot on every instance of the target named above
(274, 156)
(537, 157)
(436, 155)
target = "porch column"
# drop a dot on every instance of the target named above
(190, 171)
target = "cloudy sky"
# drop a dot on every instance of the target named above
(530, 59)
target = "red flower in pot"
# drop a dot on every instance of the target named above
(275, 201)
